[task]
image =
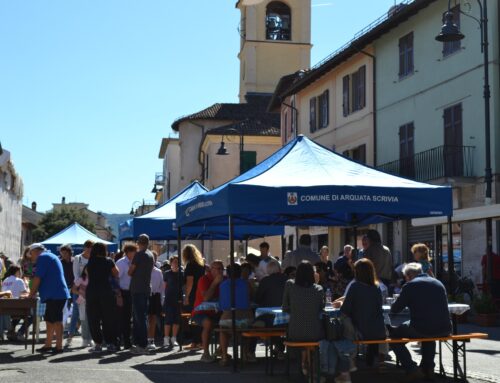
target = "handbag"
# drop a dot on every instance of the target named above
(334, 327)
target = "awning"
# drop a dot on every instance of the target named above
(462, 215)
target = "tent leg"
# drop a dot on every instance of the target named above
(179, 262)
(233, 295)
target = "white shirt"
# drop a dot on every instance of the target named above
(15, 285)
(156, 280)
(79, 262)
(261, 270)
(123, 265)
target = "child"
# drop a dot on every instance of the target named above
(79, 287)
(421, 255)
(171, 305)
(19, 289)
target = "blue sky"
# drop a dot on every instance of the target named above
(89, 88)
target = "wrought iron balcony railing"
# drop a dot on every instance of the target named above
(439, 162)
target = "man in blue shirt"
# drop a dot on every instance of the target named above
(50, 284)
(429, 317)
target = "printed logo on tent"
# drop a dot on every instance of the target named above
(292, 198)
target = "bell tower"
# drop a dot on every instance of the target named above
(275, 41)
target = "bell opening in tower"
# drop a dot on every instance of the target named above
(278, 21)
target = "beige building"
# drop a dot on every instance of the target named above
(11, 194)
(30, 219)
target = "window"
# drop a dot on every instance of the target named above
(319, 112)
(453, 141)
(312, 115)
(354, 91)
(406, 150)
(247, 161)
(357, 154)
(406, 55)
(278, 21)
(453, 46)
(323, 110)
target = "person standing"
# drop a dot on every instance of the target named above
(429, 317)
(265, 257)
(100, 299)
(380, 255)
(140, 290)
(194, 270)
(171, 305)
(303, 253)
(125, 312)
(79, 262)
(49, 282)
(155, 309)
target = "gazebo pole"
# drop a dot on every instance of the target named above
(233, 294)
(179, 263)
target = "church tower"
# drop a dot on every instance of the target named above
(275, 41)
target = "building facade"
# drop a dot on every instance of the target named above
(430, 119)
(11, 193)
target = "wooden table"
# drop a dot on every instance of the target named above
(22, 308)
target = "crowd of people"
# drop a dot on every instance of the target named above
(130, 301)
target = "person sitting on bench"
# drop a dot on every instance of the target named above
(429, 317)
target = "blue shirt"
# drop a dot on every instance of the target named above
(50, 271)
(242, 298)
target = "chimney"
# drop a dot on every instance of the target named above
(33, 206)
(63, 200)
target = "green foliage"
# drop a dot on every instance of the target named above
(55, 221)
(484, 304)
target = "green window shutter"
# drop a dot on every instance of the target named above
(247, 161)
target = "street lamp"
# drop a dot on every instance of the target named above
(135, 207)
(222, 151)
(450, 32)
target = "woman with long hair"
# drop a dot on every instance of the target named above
(100, 299)
(194, 270)
(363, 305)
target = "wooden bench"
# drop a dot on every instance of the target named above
(267, 335)
(456, 349)
(312, 349)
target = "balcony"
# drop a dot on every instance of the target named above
(440, 162)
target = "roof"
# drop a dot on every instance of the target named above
(306, 184)
(394, 17)
(284, 83)
(254, 127)
(255, 107)
(31, 216)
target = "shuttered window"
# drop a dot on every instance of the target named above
(345, 96)
(406, 55)
(312, 115)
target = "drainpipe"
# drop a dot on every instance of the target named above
(296, 113)
(200, 161)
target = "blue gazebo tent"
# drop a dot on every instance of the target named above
(159, 224)
(306, 184)
(75, 235)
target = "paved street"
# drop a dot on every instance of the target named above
(18, 365)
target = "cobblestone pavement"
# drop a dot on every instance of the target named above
(18, 365)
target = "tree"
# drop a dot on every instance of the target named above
(55, 221)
